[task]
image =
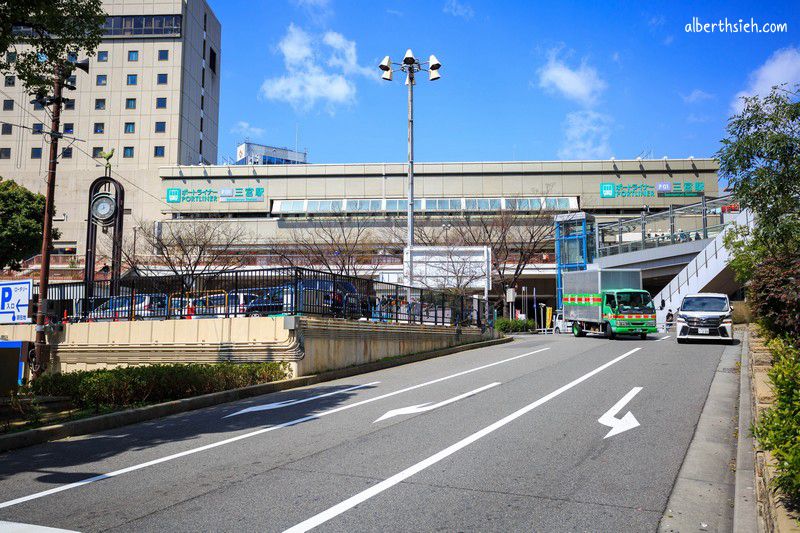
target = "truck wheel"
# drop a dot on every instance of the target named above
(577, 331)
(643, 336)
(610, 332)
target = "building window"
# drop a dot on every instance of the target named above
(36, 153)
(69, 104)
(37, 128)
(8, 105)
(96, 151)
(10, 81)
(102, 56)
(99, 127)
(163, 55)
(161, 103)
(100, 104)
(11, 57)
(201, 123)
(161, 79)
(132, 79)
(201, 147)
(133, 55)
(130, 127)
(69, 127)
(141, 26)
(72, 80)
(37, 105)
(66, 153)
(202, 101)
(102, 79)
(72, 57)
(6, 129)
(130, 103)
(127, 152)
(158, 151)
(161, 127)
(212, 59)
(5, 153)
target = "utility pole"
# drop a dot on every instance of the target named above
(40, 346)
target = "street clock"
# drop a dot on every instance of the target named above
(103, 208)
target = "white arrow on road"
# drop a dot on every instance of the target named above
(618, 425)
(428, 406)
(287, 403)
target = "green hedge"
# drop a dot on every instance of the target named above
(778, 429)
(121, 387)
(507, 325)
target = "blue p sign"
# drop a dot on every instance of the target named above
(5, 297)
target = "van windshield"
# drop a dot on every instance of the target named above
(705, 303)
(635, 302)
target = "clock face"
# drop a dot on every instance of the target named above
(103, 207)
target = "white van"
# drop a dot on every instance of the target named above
(704, 316)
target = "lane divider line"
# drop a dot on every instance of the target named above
(217, 444)
(662, 338)
(288, 403)
(364, 495)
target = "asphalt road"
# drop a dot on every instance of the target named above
(504, 438)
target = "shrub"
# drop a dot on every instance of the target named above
(778, 429)
(120, 387)
(774, 295)
(507, 325)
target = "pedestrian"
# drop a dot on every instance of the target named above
(670, 319)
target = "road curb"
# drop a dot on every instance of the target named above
(94, 424)
(745, 502)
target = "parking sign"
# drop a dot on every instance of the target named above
(14, 297)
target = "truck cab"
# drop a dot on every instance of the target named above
(628, 312)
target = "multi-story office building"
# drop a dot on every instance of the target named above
(151, 94)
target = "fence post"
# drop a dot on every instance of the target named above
(295, 296)
(705, 217)
(671, 224)
(236, 292)
(396, 313)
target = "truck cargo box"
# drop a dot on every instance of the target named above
(582, 298)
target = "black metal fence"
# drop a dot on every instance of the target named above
(264, 292)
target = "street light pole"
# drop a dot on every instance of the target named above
(410, 217)
(410, 66)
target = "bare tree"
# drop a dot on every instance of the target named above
(186, 250)
(516, 239)
(342, 245)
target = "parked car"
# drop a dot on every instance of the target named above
(316, 296)
(225, 304)
(704, 316)
(119, 307)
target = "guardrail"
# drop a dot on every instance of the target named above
(259, 292)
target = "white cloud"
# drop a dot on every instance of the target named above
(344, 55)
(582, 84)
(458, 9)
(696, 119)
(656, 21)
(697, 95)
(245, 129)
(615, 57)
(318, 69)
(668, 40)
(319, 10)
(782, 67)
(586, 136)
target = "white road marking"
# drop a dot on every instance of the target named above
(287, 403)
(361, 497)
(428, 406)
(662, 338)
(217, 444)
(18, 527)
(618, 425)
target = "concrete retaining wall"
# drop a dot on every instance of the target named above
(310, 345)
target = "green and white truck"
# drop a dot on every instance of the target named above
(610, 302)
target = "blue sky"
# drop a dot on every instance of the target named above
(520, 80)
